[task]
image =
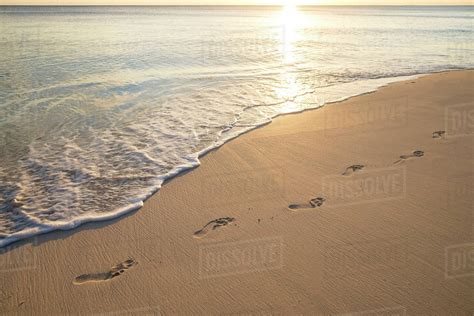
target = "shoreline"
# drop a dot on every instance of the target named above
(324, 259)
(195, 159)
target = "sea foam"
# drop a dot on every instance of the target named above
(92, 123)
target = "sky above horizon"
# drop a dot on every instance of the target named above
(236, 2)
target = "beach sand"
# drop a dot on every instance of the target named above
(391, 236)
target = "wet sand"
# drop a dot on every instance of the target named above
(364, 206)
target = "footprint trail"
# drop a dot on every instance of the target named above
(316, 202)
(115, 271)
(352, 169)
(212, 225)
(415, 154)
(439, 134)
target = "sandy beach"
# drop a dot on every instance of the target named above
(360, 207)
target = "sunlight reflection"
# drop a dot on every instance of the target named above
(287, 91)
(289, 22)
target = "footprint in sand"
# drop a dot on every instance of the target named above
(104, 276)
(212, 225)
(415, 154)
(316, 202)
(352, 169)
(438, 134)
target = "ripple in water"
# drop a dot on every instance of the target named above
(99, 105)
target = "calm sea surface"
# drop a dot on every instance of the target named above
(99, 105)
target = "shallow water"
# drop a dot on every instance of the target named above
(99, 105)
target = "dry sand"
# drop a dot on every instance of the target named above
(389, 238)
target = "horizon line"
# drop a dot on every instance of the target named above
(235, 5)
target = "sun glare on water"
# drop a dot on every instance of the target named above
(289, 8)
(289, 18)
(289, 13)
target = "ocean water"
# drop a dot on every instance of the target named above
(99, 105)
